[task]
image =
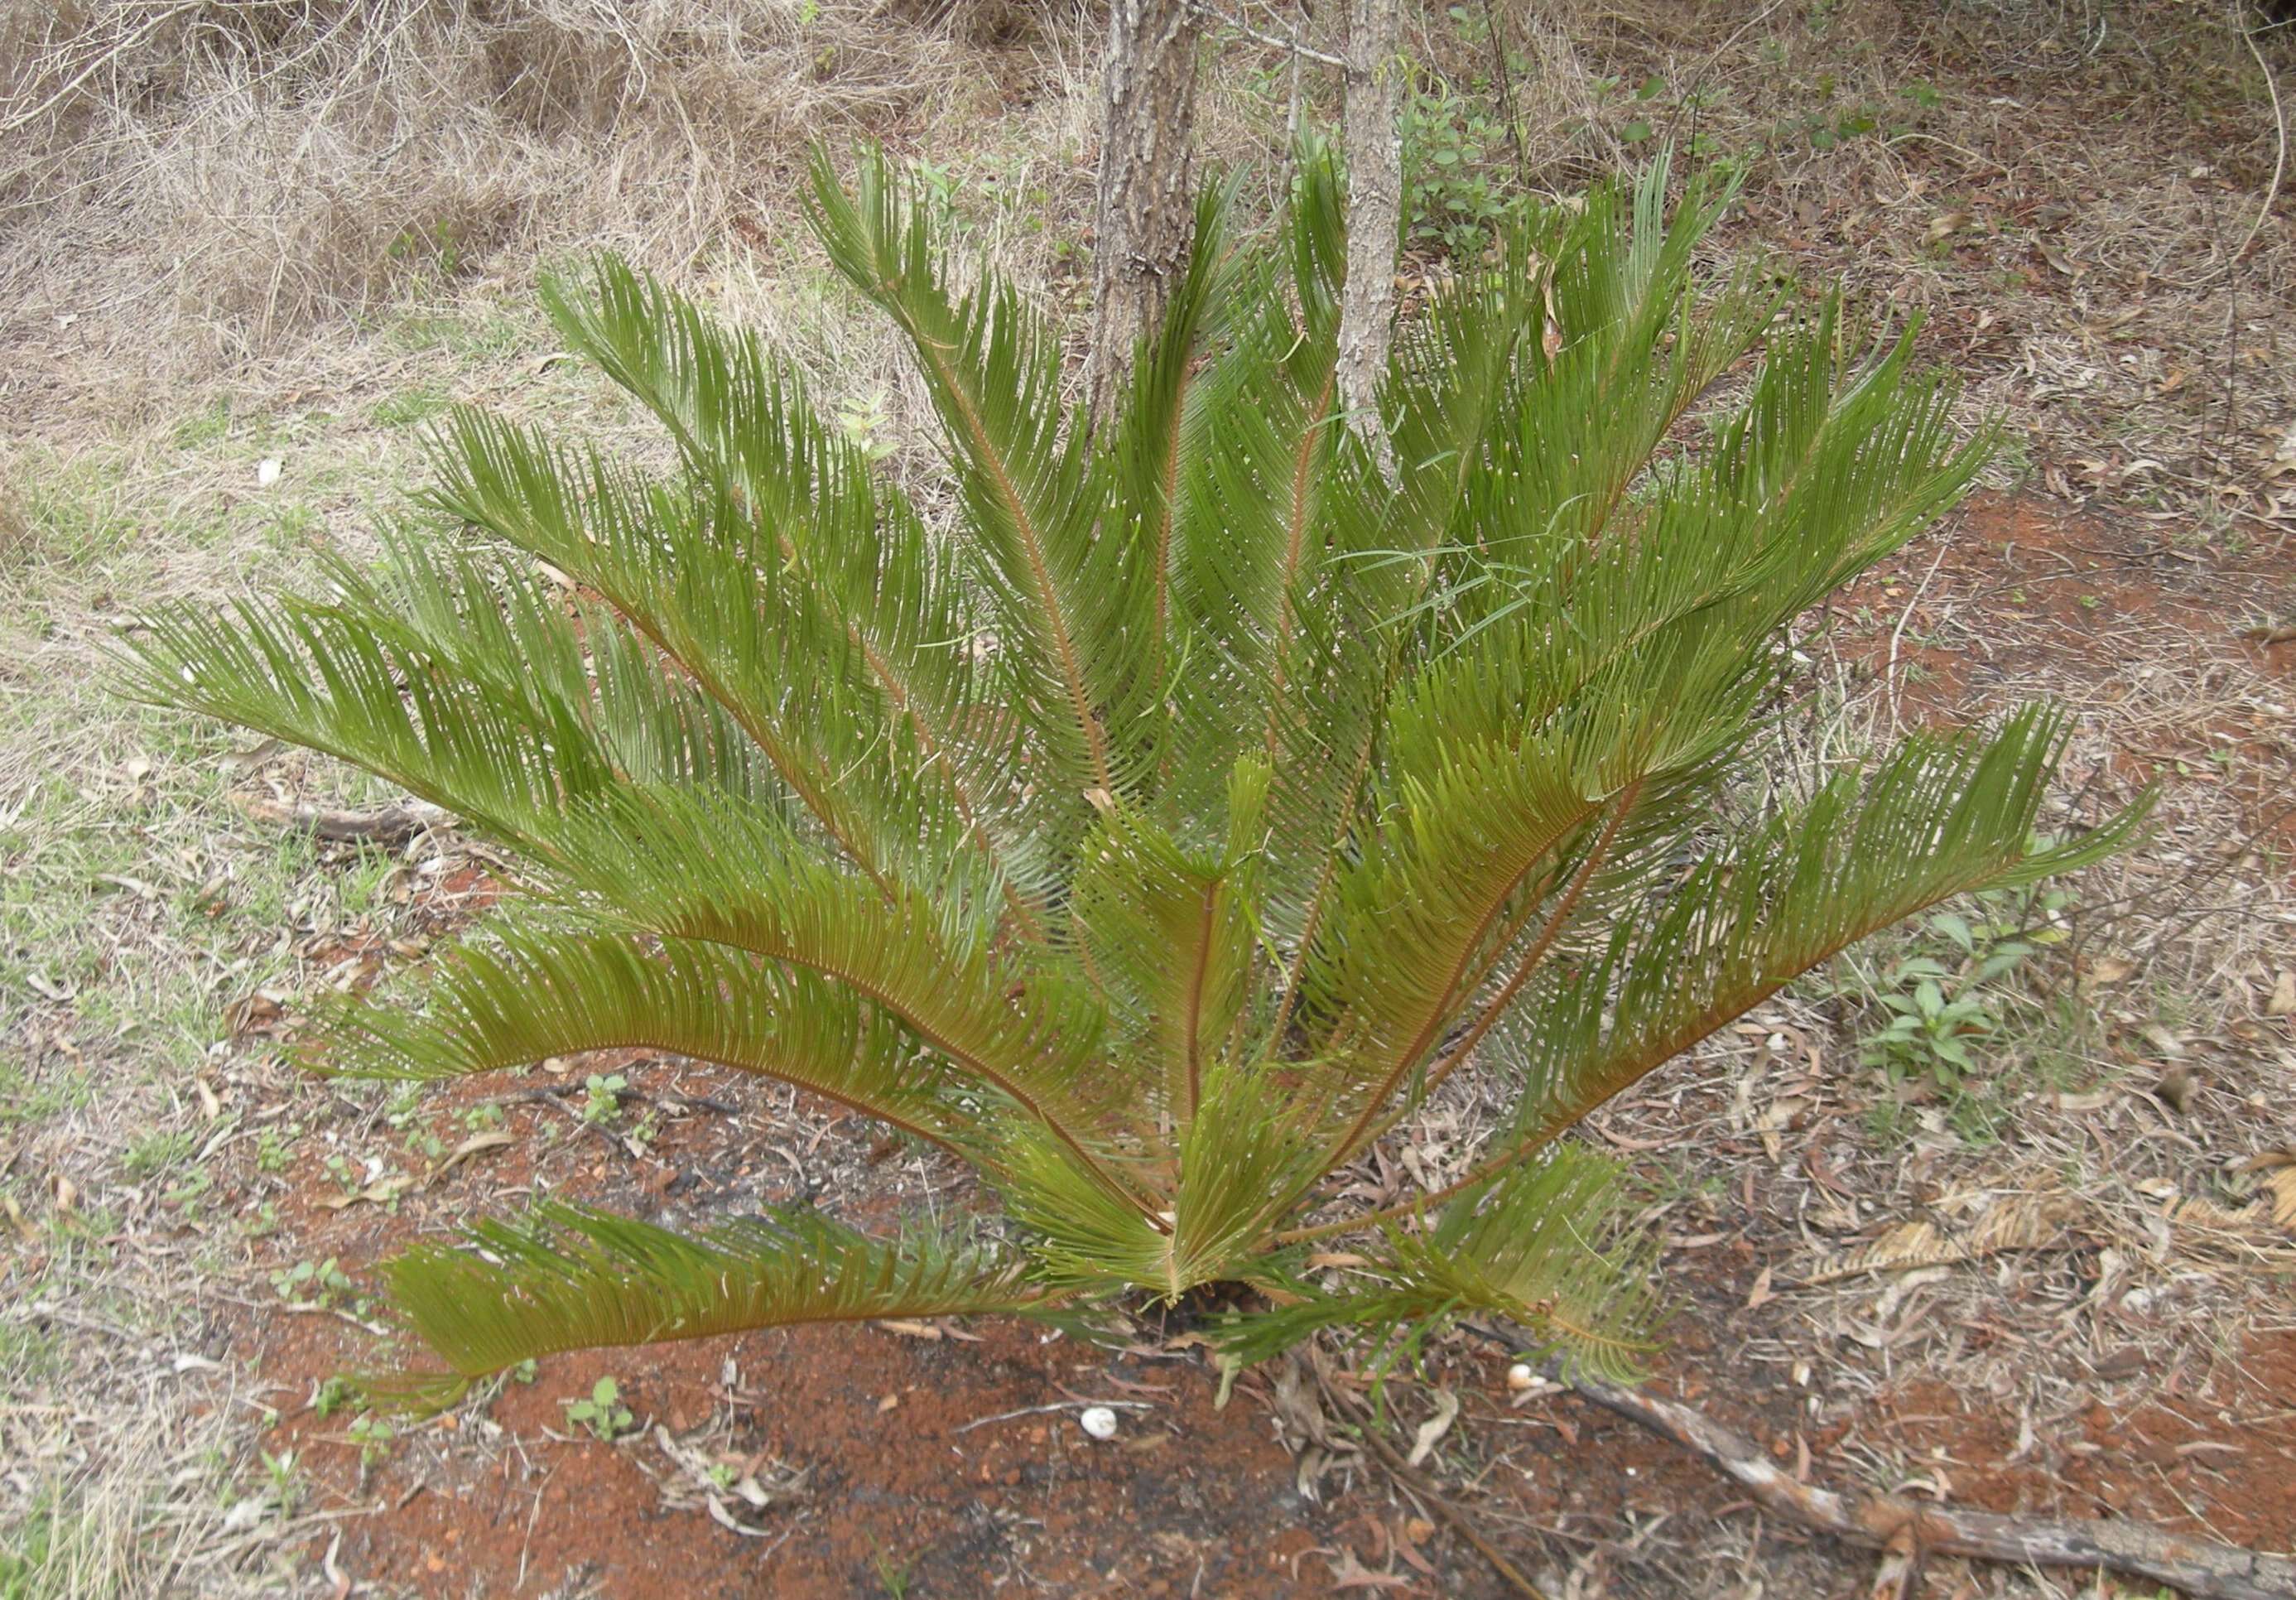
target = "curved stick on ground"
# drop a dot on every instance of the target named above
(387, 826)
(2200, 1568)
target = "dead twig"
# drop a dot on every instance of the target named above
(2280, 146)
(2200, 1568)
(390, 827)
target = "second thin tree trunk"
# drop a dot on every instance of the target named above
(1374, 149)
(1148, 114)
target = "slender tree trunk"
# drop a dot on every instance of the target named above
(1148, 115)
(1374, 148)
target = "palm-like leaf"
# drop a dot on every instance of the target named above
(1155, 834)
(570, 1278)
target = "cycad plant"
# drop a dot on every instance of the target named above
(1161, 821)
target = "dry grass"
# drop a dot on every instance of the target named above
(251, 169)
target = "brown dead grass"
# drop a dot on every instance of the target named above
(254, 169)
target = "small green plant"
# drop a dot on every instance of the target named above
(1946, 1002)
(321, 1283)
(156, 1155)
(333, 1395)
(434, 246)
(602, 1097)
(1457, 195)
(284, 1477)
(185, 1196)
(892, 1574)
(602, 1411)
(404, 1106)
(374, 1436)
(273, 1144)
(1930, 1029)
(862, 419)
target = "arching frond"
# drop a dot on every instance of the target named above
(567, 1277)
(1070, 631)
(1172, 934)
(1945, 815)
(328, 682)
(745, 430)
(685, 864)
(1539, 1246)
(535, 995)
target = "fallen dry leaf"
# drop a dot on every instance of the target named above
(2019, 1222)
(2200, 1212)
(2177, 1087)
(1349, 1573)
(1430, 1432)
(2283, 1000)
(492, 1139)
(2281, 1187)
(1945, 225)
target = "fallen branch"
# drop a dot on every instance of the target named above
(388, 825)
(2200, 1568)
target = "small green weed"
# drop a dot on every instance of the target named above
(374, 1436)
(602, 1097)
(321, 1283)
(158, 1154)
(602, 1411)
(1456, 195)
(1945, 999)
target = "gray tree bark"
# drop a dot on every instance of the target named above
(1372, 144)
(1148, 116)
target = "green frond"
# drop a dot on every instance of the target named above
(329, 682)
(1539, 1247)
(683, 864)
(686, 575)
(1241, 1158)
(1167, 422)
(1172, 934)
(521, 640)
(533, 995)
(567, 1277)
(1944, 815)
(1234, 1164)
(1032, 490)
(842, 543)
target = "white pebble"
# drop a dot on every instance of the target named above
(1098, 1421)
